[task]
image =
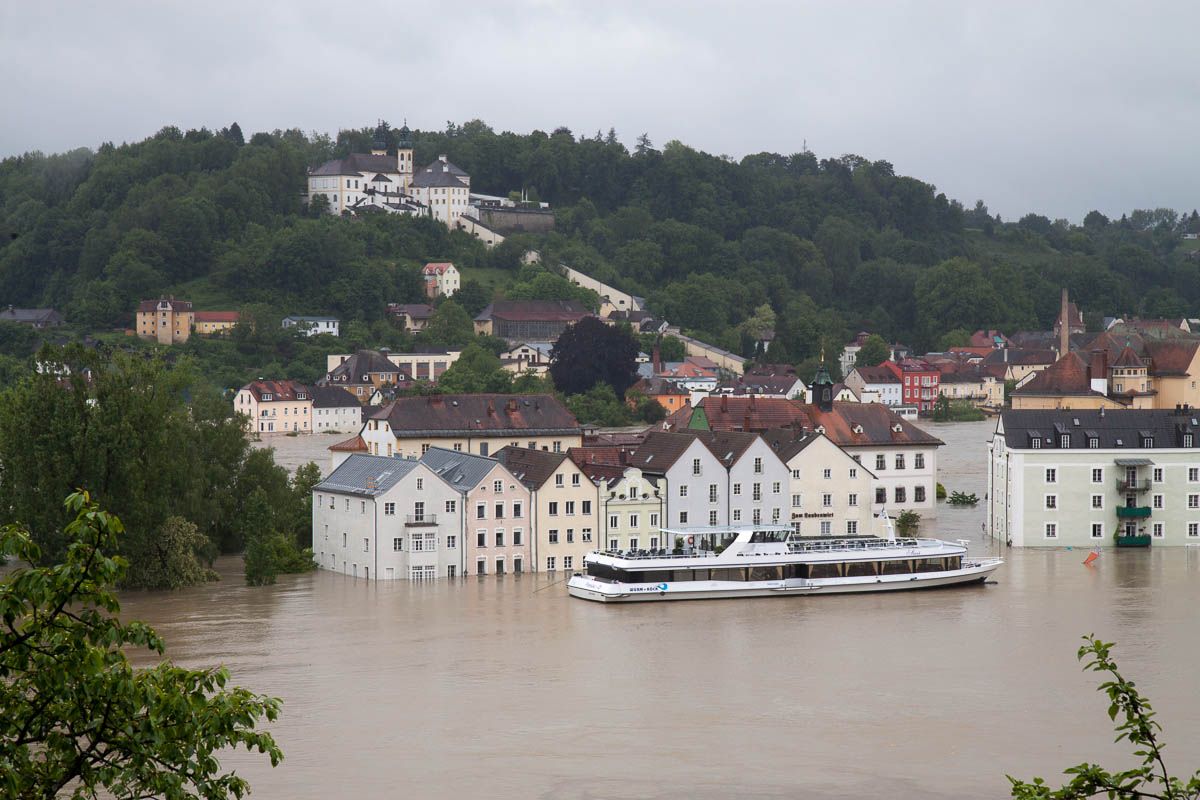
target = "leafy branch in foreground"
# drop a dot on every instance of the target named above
(1138, 727)
(75, 716)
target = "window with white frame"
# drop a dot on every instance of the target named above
(1193, 474)
(451, 506)
(1097, 501)
(756, 492)
(1157, 530)
(568, 562)
(737, 515)
(796, 501)
(398, 544)
(712, 517)
(451, 542)
(1097, 530)
(552, 508)
(853, 473)
(1158, 501)
(585, 534)
(827, 474)
(614, 521)
(481, 511)
(899, 461)
(683, 517)
(366, 545)
(1051, 530)
(550, 563)
(918, 461)
(633, 521)
(1193, 530)
(553, 536)
(712, 493)
(880, 462)
(695, 466)
(756, 516)
(683, 490)
(1097, 475)
(1051, 475)
(389, 509)
(574, 481)
(1051, 501)
(775, 487)
(1157, 474)
(481, 538)
(851, 527)
(826, 527)
(558, 480)
(737, 489)
(826, 500)
(497, 486)
(852, 500)
(569, 507)
(654, 519)
(796, 474)
(1194, 501)
(758, 466)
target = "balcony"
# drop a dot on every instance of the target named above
(417, 520)
(1133, 512)
(1142, 485)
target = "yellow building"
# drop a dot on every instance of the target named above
(481, 424)
(166, 320)
(212, 323)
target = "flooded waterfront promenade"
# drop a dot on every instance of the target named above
(505, 687)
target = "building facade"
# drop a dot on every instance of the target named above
(1083, 477)
(829, 492)
(166, 320)
(441, 279)
(335, 410)
(879, 384)
(631, 510)
(312, 326)
(477, 423)
(214, 323)
(495, 507)
(387, 519)
(563, 505)
(275, 407)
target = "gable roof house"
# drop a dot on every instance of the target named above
(472, 423)
(530, 320)
(33, 317)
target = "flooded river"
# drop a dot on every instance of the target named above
(505, 687)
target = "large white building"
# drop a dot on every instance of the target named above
(335, 410)
(388, 519)
(829, 492)
(386, 180)
(1095, 477)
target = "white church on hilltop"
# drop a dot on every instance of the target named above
(389, 182)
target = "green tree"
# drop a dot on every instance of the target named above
(259, 522)
(599, 405)
(76, 715)
(449, 326)
(960, 337)
(1137, 725)
(591, 352)
(874, 351)
(476, 370)
(907, 523)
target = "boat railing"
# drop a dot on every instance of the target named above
(825, 546)
(660, 553)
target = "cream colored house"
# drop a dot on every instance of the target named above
(214, 323)
(563, 505)
(829, 493)
(275, 407)
(166, 320)
(443, 189)
(481, 424)
(979, 389)
(632, 510)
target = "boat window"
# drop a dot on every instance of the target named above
(761, 537)
(899, 567)
(823, 571)
(862, 569)
(765, 573)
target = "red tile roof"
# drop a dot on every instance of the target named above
(176, 305)
(279, 390)
(352, 445)
(436, 267)
(1172, 357)
(1067, 376)
(216, 316)
(472, 413)
(727, 413)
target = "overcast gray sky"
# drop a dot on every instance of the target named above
(1051, 107)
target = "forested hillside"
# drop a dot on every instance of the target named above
(815, 248)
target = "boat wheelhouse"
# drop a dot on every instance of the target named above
(766, 560)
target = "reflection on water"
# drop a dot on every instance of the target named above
(506, 687)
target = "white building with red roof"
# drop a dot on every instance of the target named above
(441, 279)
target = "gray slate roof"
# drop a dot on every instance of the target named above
(1115, 428)
(333, 397)
(436, 177)
(463, 471)
(368, 476)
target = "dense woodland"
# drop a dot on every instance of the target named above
(814, 248)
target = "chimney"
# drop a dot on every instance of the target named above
(1064, 327)
(656, 359)
(724, 404)
(491, 409)
(1098, 371)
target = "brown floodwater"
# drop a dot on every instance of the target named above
(505, 687)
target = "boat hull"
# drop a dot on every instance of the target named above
(585, 588)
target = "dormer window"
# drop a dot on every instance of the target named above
(1147, 441)
(1093, 443)
(1064, 441)
(858, 429)
(1187, 440)
(267, 396)
(301, 396)
(1035, 444)
(897, 428)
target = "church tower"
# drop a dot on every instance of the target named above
(379, 142)
(822, 387)
(404, 156)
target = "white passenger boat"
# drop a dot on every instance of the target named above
(773, 560)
